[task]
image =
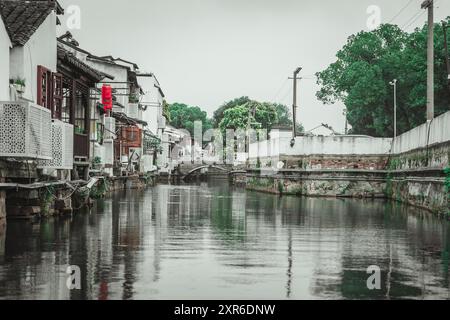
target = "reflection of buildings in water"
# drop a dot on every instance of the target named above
(105, 244)
(152, 238)
(132, 231)
(2, 240)
(36, 264)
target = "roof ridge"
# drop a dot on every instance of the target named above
(23, 18)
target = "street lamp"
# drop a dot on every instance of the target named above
(394, 84)
(294, 107)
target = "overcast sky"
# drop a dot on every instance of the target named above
(206, 52)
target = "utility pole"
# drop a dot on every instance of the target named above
(251, 112)
(394, 84)
(346, 121)
(445, 27)
(294, 104)
(429, 4)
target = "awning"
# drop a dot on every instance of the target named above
(122, 117)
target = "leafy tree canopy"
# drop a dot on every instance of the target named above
(366, 65)
(219, 113)
(238, 112)
(183, 116)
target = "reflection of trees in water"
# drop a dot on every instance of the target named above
(341, 237)
(402, 241)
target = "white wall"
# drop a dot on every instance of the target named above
(39, 50)
(5, 45)
(119, 73)
(419, 137)
(279, 144)
(152, 96)
(439, 131)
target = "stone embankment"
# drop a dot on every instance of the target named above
(413, 168)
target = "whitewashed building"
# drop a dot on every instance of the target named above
(5, 46)
(27, 101)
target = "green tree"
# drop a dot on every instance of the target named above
(183, 116)
(256, 114)
(219, 113)
(284, 115)
(165, 110)
(368, 62)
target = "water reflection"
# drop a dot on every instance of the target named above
(214, 241)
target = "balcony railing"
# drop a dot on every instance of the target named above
(25, 131)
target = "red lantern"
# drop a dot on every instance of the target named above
(107, 97)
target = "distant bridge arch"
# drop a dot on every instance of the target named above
(199, 168)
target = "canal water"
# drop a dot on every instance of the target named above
(214, 241)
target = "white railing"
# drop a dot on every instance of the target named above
(25, 131)
(62, 147)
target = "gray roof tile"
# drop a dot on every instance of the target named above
(23, 18)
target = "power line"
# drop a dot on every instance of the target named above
(287, 93)
(419, 14)
(414, 19)
(401, 11)
(281, 88)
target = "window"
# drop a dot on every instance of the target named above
(57, 95)
(50, 91)
(44, 88)
(80, 112)
(66, 100)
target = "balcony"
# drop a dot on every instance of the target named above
(25, 131)
(62, 147)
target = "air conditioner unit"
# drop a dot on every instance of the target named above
(25, 131)
(62, 147)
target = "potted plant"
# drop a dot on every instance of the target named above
(18, 84)
(96, 162)
(133, 98)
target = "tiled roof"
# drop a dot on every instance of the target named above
(69, 58)
(23, 18)
(58, 7)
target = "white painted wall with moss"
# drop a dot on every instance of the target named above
(5, 45)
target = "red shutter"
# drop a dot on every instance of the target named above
(44, 88)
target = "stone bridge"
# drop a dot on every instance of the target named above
(188, 171)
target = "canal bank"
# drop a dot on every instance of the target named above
(422, 188)
(26, 194)
(412, 168)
